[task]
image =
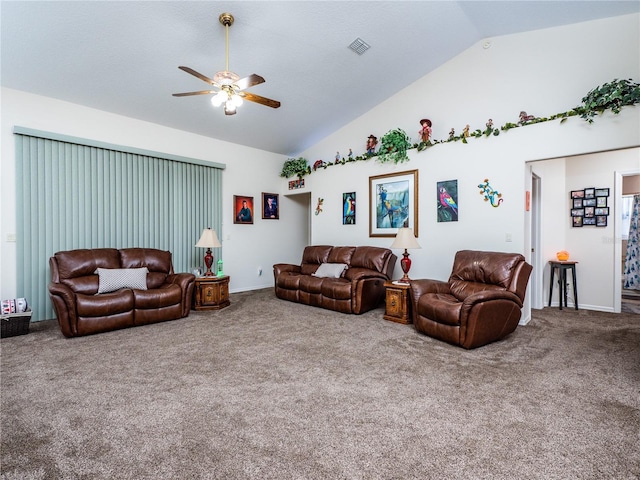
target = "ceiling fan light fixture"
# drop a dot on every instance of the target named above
(219, 98)
(236, 100)
(229, 108)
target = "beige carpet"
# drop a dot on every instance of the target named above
(267, 389)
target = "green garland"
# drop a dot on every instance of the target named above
(395, 143)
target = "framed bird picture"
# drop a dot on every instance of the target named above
(393, 203)
(447, 201)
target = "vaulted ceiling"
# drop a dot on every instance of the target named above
(123, 56)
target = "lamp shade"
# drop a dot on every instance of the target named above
(208, 239)
(405, 239)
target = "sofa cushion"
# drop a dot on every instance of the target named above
(104, 305)
(166, 295)
(331, 270)
(336, 288)
(112, 279)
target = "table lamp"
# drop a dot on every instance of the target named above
(405, 239)
(208, 240)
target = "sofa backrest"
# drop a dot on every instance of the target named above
(76, 268)
(474, 271)
(313, 256)
(372, 258)
(157, 261)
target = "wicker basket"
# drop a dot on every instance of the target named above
(15, 324)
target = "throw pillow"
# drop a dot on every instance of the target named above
(112, 279)
(333, 270)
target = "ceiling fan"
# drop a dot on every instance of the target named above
(230, 86)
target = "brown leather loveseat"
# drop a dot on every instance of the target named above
(344, 279)
(102, 289)
(480, 303)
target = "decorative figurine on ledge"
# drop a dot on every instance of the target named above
(425, 131)
(452, 134)
(371, 145)
(524, 118)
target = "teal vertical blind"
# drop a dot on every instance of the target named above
(73, 195)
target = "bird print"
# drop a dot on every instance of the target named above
(447, 200)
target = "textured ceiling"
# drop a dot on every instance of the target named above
(123, 56)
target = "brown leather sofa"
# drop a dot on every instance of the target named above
(357, 289)
(82, 311)
(480, 303)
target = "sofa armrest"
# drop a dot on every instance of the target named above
(422, 286)
(64, 303)
(355, 274)
(186, 282)
(279, 268)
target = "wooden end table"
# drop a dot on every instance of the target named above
(398, 304)
(211, 293)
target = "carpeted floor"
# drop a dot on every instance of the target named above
(268, 389)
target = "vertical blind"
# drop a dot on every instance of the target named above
(73, 193)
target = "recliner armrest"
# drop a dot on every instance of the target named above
(181, 279)
(488, 295)
(357, 273)
(422, 286)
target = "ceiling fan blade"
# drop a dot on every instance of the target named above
(249, 81)
(258, 99)
(201, 92)
(198, 75)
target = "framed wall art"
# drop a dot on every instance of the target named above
(393, 203)
(270, 206)
(242, 209)
(349, 208)
(447, 201)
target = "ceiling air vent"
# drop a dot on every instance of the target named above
(359, 46)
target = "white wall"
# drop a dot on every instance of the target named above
(249, 172)
(543, 72)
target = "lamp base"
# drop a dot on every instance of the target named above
(405, 264)
(208, 261)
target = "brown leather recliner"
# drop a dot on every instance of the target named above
(81, 311)
(479, 304)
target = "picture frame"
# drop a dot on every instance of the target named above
(270, 206)
(393, 203)
(577, 221)
(589, 211)
(589, 192)
(589, 221)
(601, 202)
(577, 212)
(243, 211)
(349, 208)
(447, 201)
(601, 221)
(602, 192)
(577, 193)
(589, 202)
(577, 203)
(601, 211)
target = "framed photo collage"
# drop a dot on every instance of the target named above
(589, 207)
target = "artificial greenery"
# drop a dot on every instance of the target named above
(295, 166)
(609, 96)
(393, 146)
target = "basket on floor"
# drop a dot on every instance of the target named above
(15, 324)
